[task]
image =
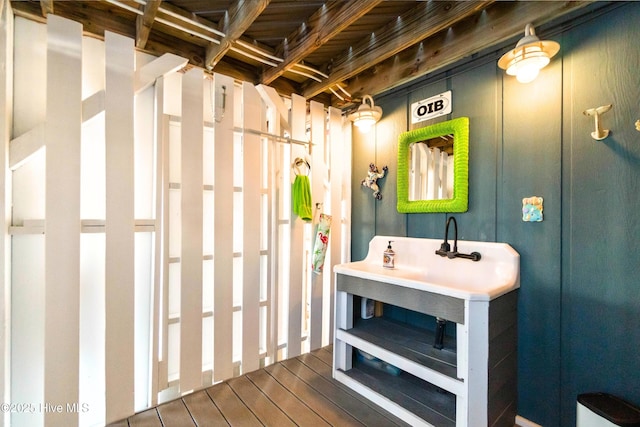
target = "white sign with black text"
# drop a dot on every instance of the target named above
(430, 108)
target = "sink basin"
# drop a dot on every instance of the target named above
(417, 266)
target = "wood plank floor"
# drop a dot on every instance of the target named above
(295, 392)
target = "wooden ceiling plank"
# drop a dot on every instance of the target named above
(145, 22)
(240, 17)
(423, 21)
(322, 26)
(26, 10)
(47, 7)
(497, 24)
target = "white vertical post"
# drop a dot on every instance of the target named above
(347, 173)
(318, 177)
(476, 335)
(273, 288)
(434, 188)
(339, 162)
(251, 193)
(223, 230)
(444, 162)
(6, 105)
(425, 166)
(161, 279)
(119, 263)
(191, 215)
(296, 277)
(414, 182)
(62, 223)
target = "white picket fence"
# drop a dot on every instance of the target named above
(153, 246)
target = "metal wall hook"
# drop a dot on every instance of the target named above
(598, 134)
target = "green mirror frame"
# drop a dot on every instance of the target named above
(460, 202)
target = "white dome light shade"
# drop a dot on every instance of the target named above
(366, 115)
(529, 56)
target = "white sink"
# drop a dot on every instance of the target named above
(417, 266)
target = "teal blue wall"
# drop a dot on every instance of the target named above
(579, 304)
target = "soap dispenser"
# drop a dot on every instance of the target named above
(388, 258)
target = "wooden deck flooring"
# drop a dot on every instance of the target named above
(295, 392)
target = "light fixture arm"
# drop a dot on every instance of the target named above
(529, 36)
(368, 97)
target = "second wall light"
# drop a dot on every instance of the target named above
(529, 56)
(366, 115)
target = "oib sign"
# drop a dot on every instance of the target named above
(430, 108)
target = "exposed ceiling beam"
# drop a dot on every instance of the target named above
(239, 18)
(185, 25)
(47, 7)
(425, 20)
(322, 26)
(496, 24)
(145, 22)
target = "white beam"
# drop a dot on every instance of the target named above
(93, 105)
(26, 145)
(271, 97)
(148, 73)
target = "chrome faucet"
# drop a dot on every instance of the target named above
(445, 247)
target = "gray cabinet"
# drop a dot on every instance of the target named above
(470, 382)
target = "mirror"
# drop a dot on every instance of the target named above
(433, 168)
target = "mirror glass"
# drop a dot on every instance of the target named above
(433, 164)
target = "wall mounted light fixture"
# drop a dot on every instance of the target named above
(366, 115)
(529, 56)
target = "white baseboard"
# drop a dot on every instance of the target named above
(523, 422)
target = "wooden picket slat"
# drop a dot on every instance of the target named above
(296, 279)
(223, 230)
(191, 205)
(318, 178)
(119, 226)
(62, 246)
(251, 193)
(273, 245)
(6, 100)
(340, 160)
(161, 265)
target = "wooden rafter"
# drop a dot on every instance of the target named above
(401, 40)
(46, 6)
(501, 22)
(425, 20)
(323, 25)
(145, 22)
(240, 17)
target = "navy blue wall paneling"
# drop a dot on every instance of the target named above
(579, 302)
(601, 226)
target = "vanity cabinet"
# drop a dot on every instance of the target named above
(470, 382)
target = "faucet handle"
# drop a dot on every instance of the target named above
(444, 250)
